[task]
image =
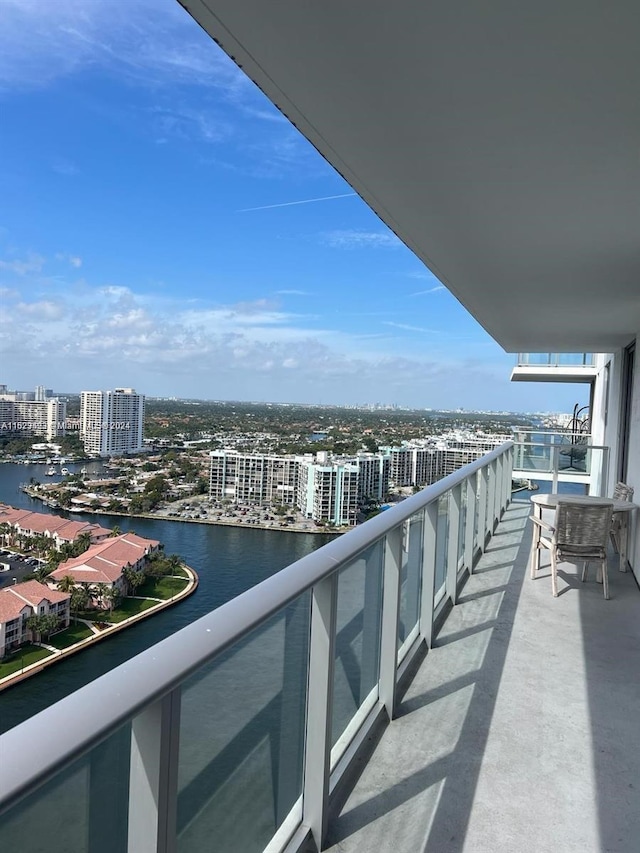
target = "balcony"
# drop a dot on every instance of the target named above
(555, 367)
(248, 727)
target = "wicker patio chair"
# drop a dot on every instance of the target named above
(622, 492)
(579, 534)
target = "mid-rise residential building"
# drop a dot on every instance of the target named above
(32, 413)
(373, 475)
(112, 422)
(328, 492)
(106, 561)
(324, 488)
(22, 600)
(414, 465)
(253, 478)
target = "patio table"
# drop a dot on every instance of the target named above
(546, 501)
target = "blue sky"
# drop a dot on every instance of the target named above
(133, 156)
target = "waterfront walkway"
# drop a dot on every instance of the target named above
(520, 731)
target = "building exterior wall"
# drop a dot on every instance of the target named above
(112, 422)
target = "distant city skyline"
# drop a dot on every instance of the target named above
(163, 227)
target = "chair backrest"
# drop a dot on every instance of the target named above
(622, 492)
(583, 524)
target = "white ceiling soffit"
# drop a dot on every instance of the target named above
(499, 140)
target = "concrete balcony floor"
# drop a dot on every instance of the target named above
(521, 729)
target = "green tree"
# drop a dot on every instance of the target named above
(42, 572)
(42, 625)
(133, 578)
(66, 583)
(112, 596)
(79, 599)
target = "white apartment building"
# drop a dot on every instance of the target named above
(328, 492)
(112, 422)
(373, 475)
(324, 488)
(413, 465)
(253, 478)
(45, 417)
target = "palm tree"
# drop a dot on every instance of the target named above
(112, 595)
(115, 531)
(42, 572)
(101, 591)
(67, 583)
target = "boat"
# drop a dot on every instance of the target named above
(64, 470)
(50, 472)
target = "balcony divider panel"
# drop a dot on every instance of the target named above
(153, 779)
(428, 572)
(452, 544)
(482, 509)
(470, 486)
(390, 618)
(315, 791)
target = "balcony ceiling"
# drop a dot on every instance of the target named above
(500, 141)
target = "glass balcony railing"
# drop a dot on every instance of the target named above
(232, 732)
(563, 460)
(556, 359)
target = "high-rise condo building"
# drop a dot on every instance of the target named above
(111, 422)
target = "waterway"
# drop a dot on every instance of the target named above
(228, 561)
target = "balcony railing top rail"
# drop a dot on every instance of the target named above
(37, 750)
(556, 359)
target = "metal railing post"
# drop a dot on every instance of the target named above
(315, 792)
(482, 509)
(430, 532)
(390, 617)
(153, 780)
(470, 521)
(455, 500)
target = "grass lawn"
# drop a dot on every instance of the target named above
(23, 657)
(129, 607)
(72, 634)
(162, 587)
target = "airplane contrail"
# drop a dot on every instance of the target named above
(290, 203)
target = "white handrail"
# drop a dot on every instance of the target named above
(37, 749)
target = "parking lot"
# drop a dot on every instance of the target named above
(18, 568)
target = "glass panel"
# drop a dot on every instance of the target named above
(84, 809)
(442, 539)
(242, 738)
(574, 457)
(357, 636)
(410, 577)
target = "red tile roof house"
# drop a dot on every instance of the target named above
(19, 602)
(55, 527)
(106, 561)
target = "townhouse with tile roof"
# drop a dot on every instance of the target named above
(61, 530)
(19, 602)
(106, 561)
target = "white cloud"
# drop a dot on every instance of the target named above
(150, 41)
(409, 328)
(43, 310)
(292, 292)
(31, 264)
(73, 260)
(352, 239)
(429, 290)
